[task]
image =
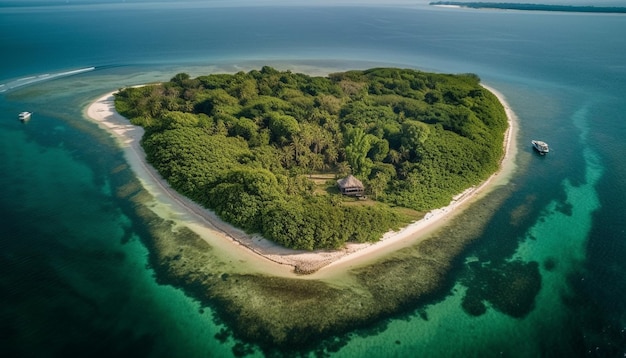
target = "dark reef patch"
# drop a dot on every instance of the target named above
(510, 287)
(565, 208)
(473, 305)
(550, 264)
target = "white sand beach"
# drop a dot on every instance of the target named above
(263, 254)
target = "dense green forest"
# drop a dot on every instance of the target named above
(246, 145)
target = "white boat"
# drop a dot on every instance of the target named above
(541, 146)
(24, 116)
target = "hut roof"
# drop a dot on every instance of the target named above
(349, 182)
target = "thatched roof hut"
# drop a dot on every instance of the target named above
(351, 186)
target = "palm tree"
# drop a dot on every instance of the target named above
(378, 184)
(343, 168)
(300, 146)
(405, 152)
(331, 155)
(286, 156)
(317, 162)
(394, 156)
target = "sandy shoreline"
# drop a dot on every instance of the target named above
(266, 255)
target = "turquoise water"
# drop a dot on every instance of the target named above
(74, 275)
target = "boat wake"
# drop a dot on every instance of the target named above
(24, 81)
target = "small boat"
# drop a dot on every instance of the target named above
(541, 146)
(24, 116)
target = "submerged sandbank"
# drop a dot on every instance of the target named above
(263, 255)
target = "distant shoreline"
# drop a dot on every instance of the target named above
(218, 233)
(531, 7)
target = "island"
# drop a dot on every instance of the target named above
(237, 135)
(532, 7)
(267, 151)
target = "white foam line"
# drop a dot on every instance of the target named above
(44, 77)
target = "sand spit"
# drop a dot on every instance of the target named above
(265, 255)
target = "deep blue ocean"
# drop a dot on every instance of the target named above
(74, 274)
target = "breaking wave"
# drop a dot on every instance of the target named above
(24, 81)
